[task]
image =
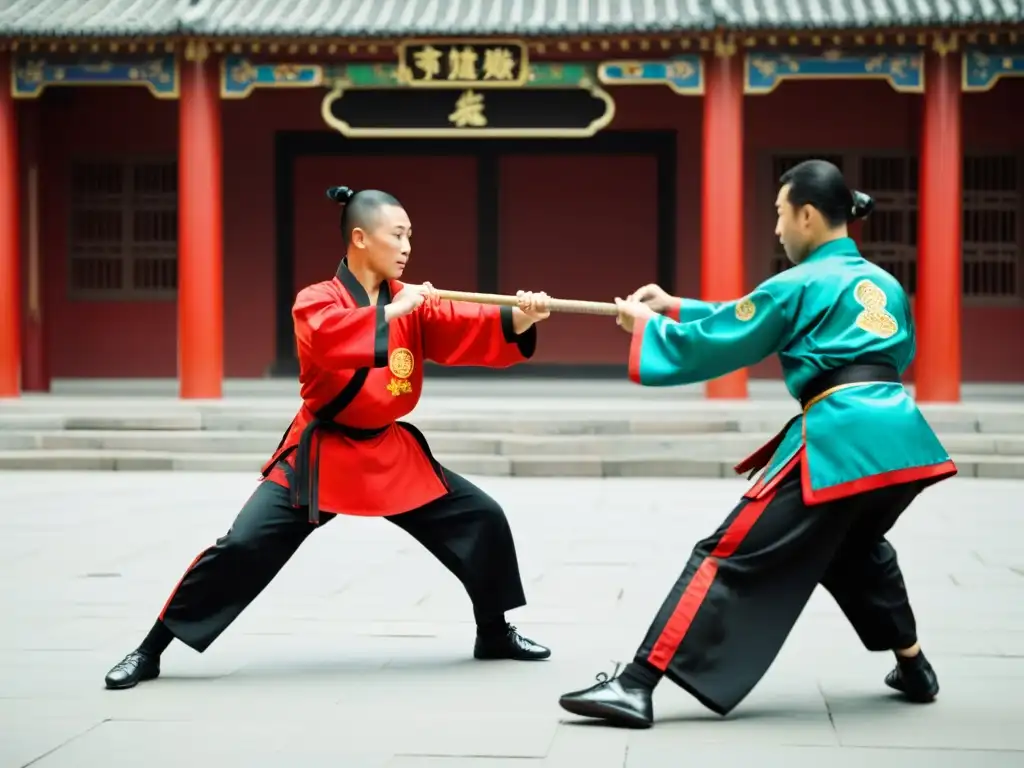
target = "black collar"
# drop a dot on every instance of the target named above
(344, 274)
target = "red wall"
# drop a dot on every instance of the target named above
(563, 228)
(589, 231)
(438, 192)
(99, 338)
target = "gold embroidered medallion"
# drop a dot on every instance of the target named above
(745, 310)
(875, 318)
(401, 364)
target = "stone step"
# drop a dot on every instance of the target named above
(471, 464)
(677, 418)
(723, 446)
(508, 421)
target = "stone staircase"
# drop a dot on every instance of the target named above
(478, 435)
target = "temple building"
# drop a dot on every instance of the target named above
(163, 167)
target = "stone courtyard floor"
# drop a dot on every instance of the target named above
(359, 655)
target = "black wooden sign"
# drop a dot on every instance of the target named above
(455, 64)
(512, 113)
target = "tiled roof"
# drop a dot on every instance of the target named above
(852, 14)
(377, 18)
(114, 18)
(407, 18)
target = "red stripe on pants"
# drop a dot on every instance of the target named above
(176, 586)
(696, 591)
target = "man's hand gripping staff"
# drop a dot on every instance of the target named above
(646, 302)
(529, 307)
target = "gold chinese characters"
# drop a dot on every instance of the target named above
(469, 111)
(447, 64)
(401, 364)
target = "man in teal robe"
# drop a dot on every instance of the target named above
(834, 480)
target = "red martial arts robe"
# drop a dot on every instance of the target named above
(362, 460)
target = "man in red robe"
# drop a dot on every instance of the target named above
(362, 338)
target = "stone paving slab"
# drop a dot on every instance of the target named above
(359, 655)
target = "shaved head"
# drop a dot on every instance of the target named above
(360, 209)
(376, 230)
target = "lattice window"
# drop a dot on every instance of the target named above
(124, 230)
(991, 229)
(781, 164)
(889, 234)
(993, 257)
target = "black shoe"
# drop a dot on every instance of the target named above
(915, 679)
(135, 668)
(509, 645)
(611, 700)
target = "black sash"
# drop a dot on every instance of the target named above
(855, 373)
(305, 483)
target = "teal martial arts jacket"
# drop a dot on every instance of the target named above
(832, 310)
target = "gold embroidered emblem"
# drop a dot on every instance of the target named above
(399, 387)
(874, 319)
(401, 364)
(745, 310)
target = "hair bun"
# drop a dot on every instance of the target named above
(340, 195)
(863, 205)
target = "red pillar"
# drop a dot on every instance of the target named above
(10, 239)
(939, 249)
(721, 251)
(35, 368)
(200, 255)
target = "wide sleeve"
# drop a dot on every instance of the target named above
(461, 333)
(734, 335)
(337, 337)
(688, 310)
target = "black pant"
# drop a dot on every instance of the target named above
(465, 529)
(744, 587)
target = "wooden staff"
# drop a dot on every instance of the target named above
(573, 306)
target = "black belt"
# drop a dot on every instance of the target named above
(305, 486)
(855, 373)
